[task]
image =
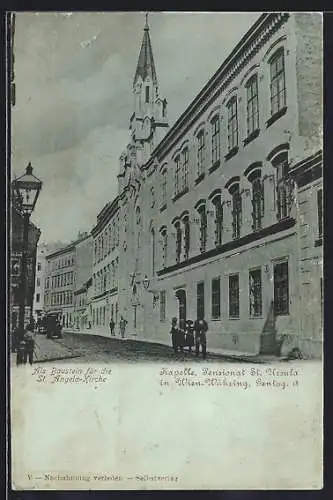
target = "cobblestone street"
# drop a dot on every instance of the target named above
(93, 348)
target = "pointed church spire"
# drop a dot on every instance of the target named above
(146, 65)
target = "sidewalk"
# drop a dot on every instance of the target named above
(212, 351)
(49, 350)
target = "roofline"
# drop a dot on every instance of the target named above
(213, 81)
(67, 248)
(103, 216)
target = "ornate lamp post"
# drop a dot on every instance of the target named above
(146, 283)
(26, 190)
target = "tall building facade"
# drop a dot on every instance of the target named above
(83, 275)
(211, 217)
(60, 285)
(103, 302)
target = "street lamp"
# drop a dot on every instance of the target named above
(146, 283)
(26, 190)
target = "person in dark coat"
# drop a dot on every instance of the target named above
(174, 334)
(21, 353)
(189, 336)
(29, 338)
(122, 326)
(200, 328)
(112, 326)
(181, 335)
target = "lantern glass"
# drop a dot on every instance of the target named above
(27, 188)
(146, 283)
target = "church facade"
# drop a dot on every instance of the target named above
(211, 210)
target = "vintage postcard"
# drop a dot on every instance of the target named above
(165, 294)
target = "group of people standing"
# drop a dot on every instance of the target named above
(122, 327)
(189, 334)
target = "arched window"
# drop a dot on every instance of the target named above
(164, 103)
(110, 239)
(113, 271)
(164, 244)
(257, 199)
(234, 190)
(278, 83)
(164, 188)
(117, 230)
(104, 279)
(152, 197)
(252, 108)
(215, 124)
(178, 241)
(177, 175)
(203, 227)
(152, 246)
(283, 191)
(200, 153)
(232, 124)
(95, 251)
(218, 219)
(184, 179)
(186, 222)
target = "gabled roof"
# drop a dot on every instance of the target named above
(146, 65)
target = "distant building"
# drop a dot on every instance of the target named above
(67, 270)
(38, 305)
(43, 249)
(210, 216)
(83, 273)
(60, 284)
(105, 272)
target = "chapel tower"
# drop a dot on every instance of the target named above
(149, 122)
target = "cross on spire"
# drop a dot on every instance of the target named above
(146, 65)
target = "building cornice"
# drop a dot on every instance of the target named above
(67, 248)
(61, 251)
(231, 245)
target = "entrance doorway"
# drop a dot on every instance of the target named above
(181, 296)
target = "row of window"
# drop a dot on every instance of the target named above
(182, 226)
(106, 278)
(61, 263)
(80, 300)
(58, 298)
(60, 280)
(67, 320)
(99, 316)
(278, 103)
(107, 241)
(255, 297)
